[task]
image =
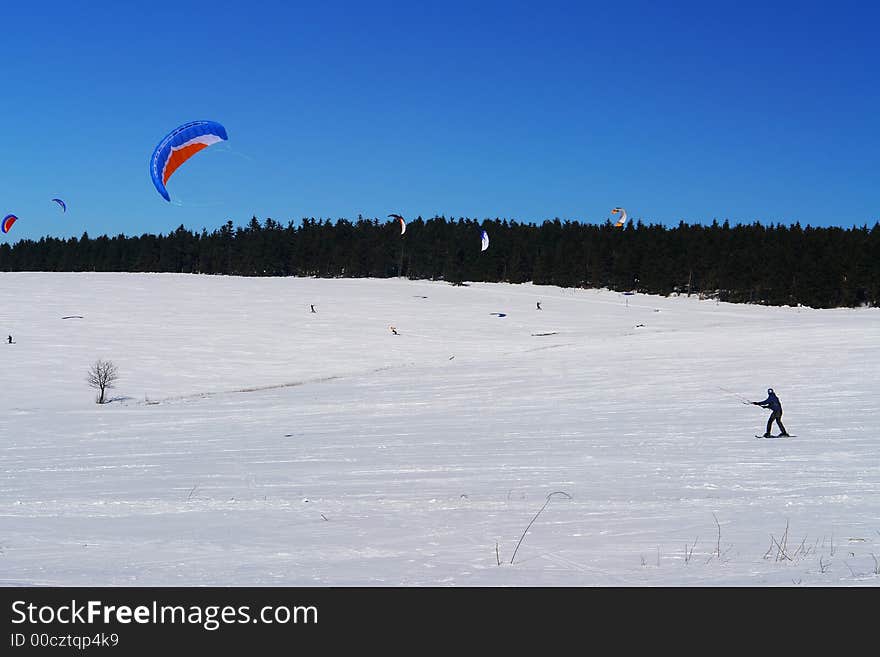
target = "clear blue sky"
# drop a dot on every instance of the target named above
(527, 111)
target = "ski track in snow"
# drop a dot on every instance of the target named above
(252, 442)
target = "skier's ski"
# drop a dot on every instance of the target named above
(777, 436)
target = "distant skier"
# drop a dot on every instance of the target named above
(772, 402)
(539, 305)
(394, 330)
(313, 308)
(10, 339)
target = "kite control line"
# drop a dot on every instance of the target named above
(735, 394)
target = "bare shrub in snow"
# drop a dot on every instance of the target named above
(102, 375)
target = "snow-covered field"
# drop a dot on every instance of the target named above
(252, 442)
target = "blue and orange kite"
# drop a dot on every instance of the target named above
(180, 145)
(8, 220)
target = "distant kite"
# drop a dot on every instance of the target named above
(61, 203)
(401, 220)
(622, 221)
(484, 239)
(8, 220)
(180, 145)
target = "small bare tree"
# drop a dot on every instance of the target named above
(101, 376)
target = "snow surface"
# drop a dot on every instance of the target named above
(252, 442)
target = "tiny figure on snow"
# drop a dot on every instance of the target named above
(772, 402)
(394, 330)
(313, 308)
(539, 305)
(10, 339)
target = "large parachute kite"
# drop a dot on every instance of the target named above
(8, 220)
(401, 220)
(178, 146)
(622, 221)
(484, 238)
(61, 203)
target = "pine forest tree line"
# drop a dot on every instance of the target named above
(775, 264)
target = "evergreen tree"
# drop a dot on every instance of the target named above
(753, 263)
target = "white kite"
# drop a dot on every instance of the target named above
(401, 220)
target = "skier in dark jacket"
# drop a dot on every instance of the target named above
(772, 402)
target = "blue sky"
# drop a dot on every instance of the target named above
(526, 111)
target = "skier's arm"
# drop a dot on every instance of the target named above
(762, 403)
